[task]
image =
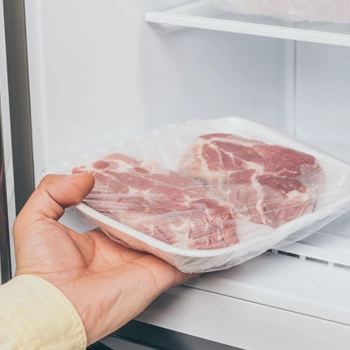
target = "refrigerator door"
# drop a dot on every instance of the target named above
(7, 197)
(4, 222)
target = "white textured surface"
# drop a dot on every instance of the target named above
(201, 15)
(290, 10)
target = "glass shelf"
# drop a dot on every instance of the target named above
(201, 15)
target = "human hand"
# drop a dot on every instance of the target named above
(107, 283)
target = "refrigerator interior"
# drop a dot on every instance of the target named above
(105, 75)
(99, 72)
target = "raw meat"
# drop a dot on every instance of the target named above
(170, 207)
(266, 184)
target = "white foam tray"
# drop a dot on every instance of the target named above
(166, 146)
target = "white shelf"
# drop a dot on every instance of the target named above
(201, 15)
(306, 290)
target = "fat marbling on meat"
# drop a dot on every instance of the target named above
(166, 205)
(266, 184)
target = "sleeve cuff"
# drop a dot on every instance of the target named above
(40, 315)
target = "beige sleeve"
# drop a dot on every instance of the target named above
(36, 315)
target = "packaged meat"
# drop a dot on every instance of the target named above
(265, 184)
(336, 11)
(170, 207)
(206, 195)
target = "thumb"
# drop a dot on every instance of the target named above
(53, 195)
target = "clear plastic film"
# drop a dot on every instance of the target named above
(208, 195)
(336, 11)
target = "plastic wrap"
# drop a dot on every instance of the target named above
(207, 195)
(337, 11)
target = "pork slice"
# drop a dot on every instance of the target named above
(166, 205)
(266, 184)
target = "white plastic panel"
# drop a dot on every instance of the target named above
(305, 287)
(340, 227)
(322, 97)
(242, 324)
(201, 15)
(322, 107)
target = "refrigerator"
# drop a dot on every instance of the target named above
(85, 73)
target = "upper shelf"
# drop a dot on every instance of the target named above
(201, 15)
